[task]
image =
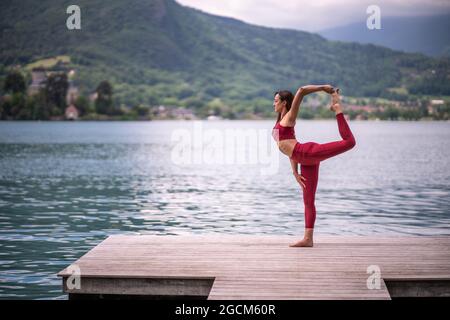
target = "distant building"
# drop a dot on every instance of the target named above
(72, 94)
(93, 96)
(38, 79)
(353, 107)
(71, 113)
(437, 102)
(160, 112)
(313, 102)
(213, 118)
(172, 112)
(183, 113)
(72, 90)
(360, 117)
(433, 105)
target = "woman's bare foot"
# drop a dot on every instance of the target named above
(303, 243)
(335, 97)
(336, 102)
(307, 239)
(336, 108)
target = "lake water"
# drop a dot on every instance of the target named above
(66, 186)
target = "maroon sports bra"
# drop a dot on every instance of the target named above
(282, 132)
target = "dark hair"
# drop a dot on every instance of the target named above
(285, 95)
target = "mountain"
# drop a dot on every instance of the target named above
(158, 51)
(425, 34)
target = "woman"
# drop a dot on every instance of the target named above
(308, 154)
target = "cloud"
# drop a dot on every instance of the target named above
(313, 15)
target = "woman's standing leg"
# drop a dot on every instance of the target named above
(311, 173)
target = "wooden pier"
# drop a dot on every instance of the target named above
(261, 267)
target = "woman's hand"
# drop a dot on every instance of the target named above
(328, 88)
(300, 179)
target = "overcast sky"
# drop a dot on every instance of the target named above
(313, 15)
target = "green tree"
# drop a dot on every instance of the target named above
(391, 113)
(38, 106)
(215, 107)
(140, 110)
(14, 83)
(104, 101)
(56, 90)
(306, 113)
(442, 112)
(18, 110)
(194, 102)
(6, 107)
(83, 105)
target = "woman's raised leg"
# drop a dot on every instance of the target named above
(322, 151)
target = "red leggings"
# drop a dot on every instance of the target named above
(310, 154)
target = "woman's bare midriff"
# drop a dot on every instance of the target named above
(287, 146)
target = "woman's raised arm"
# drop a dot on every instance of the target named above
(301, 92)
(295, 106)
(314, 88)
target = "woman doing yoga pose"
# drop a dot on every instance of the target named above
(308, 154)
